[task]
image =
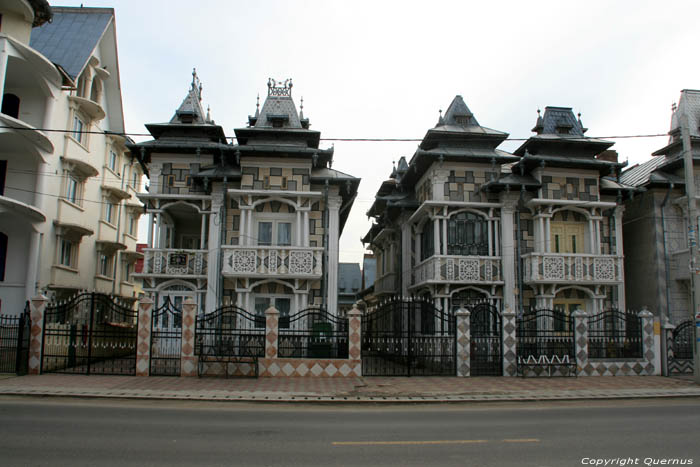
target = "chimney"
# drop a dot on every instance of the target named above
(610, 155)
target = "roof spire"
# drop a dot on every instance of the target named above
(257, 106)
(301, 109)
(583, 129)
(441, 121)
(208, 114)
(539, 125)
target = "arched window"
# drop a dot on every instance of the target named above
(10, 105)
(467, 234)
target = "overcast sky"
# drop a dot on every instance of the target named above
(381, 69)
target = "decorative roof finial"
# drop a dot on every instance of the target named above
(279, 89)
(441, 121)
(583, 129)
(194, 77)
(208, 114)
(539, 125)
(673, 107)
(301, 109)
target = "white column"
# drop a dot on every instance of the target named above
(150, 230)
(497, 236)
(333, 238)
(436, 236)
(214, 249)
(306, 228)
(242, 228)
(540, 244)
(249, 233)
(490, 236)
(619, 251)
(32, 264)
(508, 245)
(158, 240)
(299, 238)
(444, 237)
(406, 271)
(547, 234)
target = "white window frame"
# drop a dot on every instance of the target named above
(112, 160)
(79, 129)
(276, 219)
(104, 265)
(67, 251)
(110, 211)
(74, 188)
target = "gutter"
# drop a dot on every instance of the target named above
(667, 264)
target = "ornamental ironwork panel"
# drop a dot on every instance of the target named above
(615, 335)
(166, 339)
(313, 333)
(408, 337)
(91, 333)
(680, 348)
(486, 353)
(14, 342)
(230, 331)
(546, 333)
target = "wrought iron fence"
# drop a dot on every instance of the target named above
(613, 334)
(230, 332)
(313, 333)
(683, 340)
(14, 342)
(166, 339)
(545, 332)
(90, 333)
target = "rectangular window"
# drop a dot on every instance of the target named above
(135, 181)
(265, 233)
(275, 233)
(72, 190)
(103, 265)
(132, 225)
(110, 213)
(66, 252)
(126, 272)
(112, 162)
(78, 129)
(284, 233)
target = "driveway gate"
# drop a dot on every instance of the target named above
(166, 339)
(680, 348)
(486, 340)
(90, 333)
(406, 337)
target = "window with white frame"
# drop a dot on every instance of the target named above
(110, 211)
(74, 188)
(275, 232)
(135, 179)
(79, 128)
(112, 161)
(126, 271)
(281, 303)
(132, 225)
(67, 252)
(104, 265)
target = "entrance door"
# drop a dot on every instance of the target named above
(166, 333)
(567, 237)
(486, 346)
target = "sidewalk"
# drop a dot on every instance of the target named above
(343, 390)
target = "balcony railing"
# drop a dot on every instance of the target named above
(566, 267)
(459, 269)
(174, 262)
(281, 261)
(387, 284)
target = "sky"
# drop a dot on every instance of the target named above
(384, 69)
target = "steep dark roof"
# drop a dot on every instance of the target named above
(71, 37)
(349, 279)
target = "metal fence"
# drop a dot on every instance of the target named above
(313, 333)
(166, 339)
(230, 332)
(542, 332)
(14, 342)
(613, 334)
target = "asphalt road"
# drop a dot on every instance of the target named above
(92, 432)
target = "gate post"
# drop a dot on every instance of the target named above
(581, 341)
(648, 340)
(36, 339)
(666, 346)
(355, 339)
(510, 348)
(143, 337)
(463, 342)
(272, 317)
(189, 314)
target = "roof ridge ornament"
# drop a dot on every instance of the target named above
(279, 88)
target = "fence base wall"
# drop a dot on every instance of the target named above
(637, 367)
(219, 369)
(302, 367)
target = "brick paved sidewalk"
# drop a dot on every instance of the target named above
(374, 389)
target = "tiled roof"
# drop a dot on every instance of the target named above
(560, 117)
(71, 37)
(639, 174)
(349, 278)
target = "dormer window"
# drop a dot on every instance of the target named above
(277, 121)
(564, 128)
(463, 120)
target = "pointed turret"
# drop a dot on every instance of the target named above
(539, 125)
(191, 111)
(458, 114)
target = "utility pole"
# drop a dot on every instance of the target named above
(692, 229)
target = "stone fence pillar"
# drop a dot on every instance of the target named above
(37, 306)
(648, 339)
(272, 317)
(463, 343)
(581, 342)
(188, 363)
(143, 337)
(355, 335)
(666, 346)
(510, 347)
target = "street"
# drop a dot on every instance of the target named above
(112, 432)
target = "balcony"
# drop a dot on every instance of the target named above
(387, 284)
(459, 270)
(550, 268)
(174, 263)
(279, 261)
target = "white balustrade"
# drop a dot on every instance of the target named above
(459, 269)
(566, 267)
(272, 260)
(174, 262)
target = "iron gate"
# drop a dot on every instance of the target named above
(680, 348)
(407, 337)
(166, 339)
(14, 342)
(486, 354)
(90, 333)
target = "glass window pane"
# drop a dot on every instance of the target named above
(284, 233)
(265, 233)
(283, 305)
(261, 304)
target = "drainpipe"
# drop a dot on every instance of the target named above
(518, 251)
(324, 277)
(119, 226)
(667, 265)
(222, 236)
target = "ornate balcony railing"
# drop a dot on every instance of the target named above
(174, 262)
(459, 269)
(566, 267)
(281, 261)
(387, 284)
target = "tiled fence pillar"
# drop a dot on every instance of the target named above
(581, 342)
(510, 348)
(666, 345)
(648, 339)
(272, 317)
(187, 358)
(463, 342)
(36, 335)
(143, 338)
(355, 333)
